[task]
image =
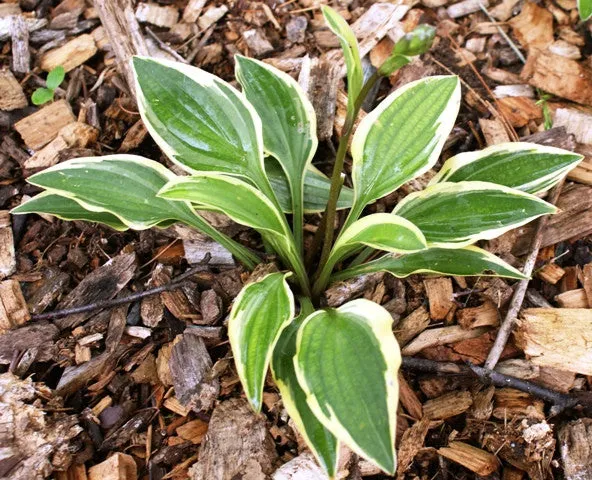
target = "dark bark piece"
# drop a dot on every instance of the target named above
(190, 365)
(39, 336)
(237, 445)
(575, 445)
(554, 137)
(102, 284)
(341, 292)
(19, 34)
(125, 36)
(118, 438)
(75, 378)
(211, 308)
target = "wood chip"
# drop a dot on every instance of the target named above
(257, 42)
(493, 131)
(39, 337)
(40, 128)
(520, 110)
(486, 315)
(13, 308)
(441, 336)
(557, 337)
(559, 75)
(161, 16)
(190, 365)
(551, 273)
(12, 96)
(193, 431)
(7, 254)
(73, 135)
(475, 459)
(117, 467)
(533, 27)
(211, 16)
(410, 445)
(71, 55)
(575, 446)
(576, 123)
(439, 292)
(448, 405)
(237, 445)
(412, 325)
(573, 299)
(465, 7)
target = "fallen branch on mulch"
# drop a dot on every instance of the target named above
(175, 283)
(559, 400)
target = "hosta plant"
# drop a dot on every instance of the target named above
(249, 155)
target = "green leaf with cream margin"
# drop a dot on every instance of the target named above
(316, 189)
(244, 204)
(347, 361)
(126, 186)
(199, 121)
(382, 231)
(467, 261)
(259, 314)
(453, 215)
(290, 124)
(524, 166)
(351, 53)
(402, 137)
(323, 443)
(66, 209)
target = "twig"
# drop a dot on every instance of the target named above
(165, 47)
(177, 282)
(507, 325)
(559, 400)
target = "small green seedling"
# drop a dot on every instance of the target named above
(249, 155)
(54, 80)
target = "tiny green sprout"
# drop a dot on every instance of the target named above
(411, 44)
(53, 81)
(585, 9)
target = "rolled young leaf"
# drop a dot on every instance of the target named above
(259, 314)
(351, 53)
(322, 443)
(201, 122)
(316, 189)
(453, 215)
(467, 261)
(402, 137)
(67, 209)
(347, 361)
(524, 166)
(126, 187)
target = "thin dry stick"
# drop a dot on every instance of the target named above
(102, 304)
(518, 298)
(487, 376)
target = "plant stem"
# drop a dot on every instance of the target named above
(298, 217)
(242, 253)
(336, 182)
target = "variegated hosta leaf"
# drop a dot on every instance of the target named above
(201, 122)
(289, 118)
(126, 186)
(351, 53)
(232, 196)
(259, 314)
(316, 189)
(402, 137)
(452, 215)
(524, 166)
(383, 231)
(122, 185)
(322, 442)
(67, 209)
(467, 261)
(346, 362)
